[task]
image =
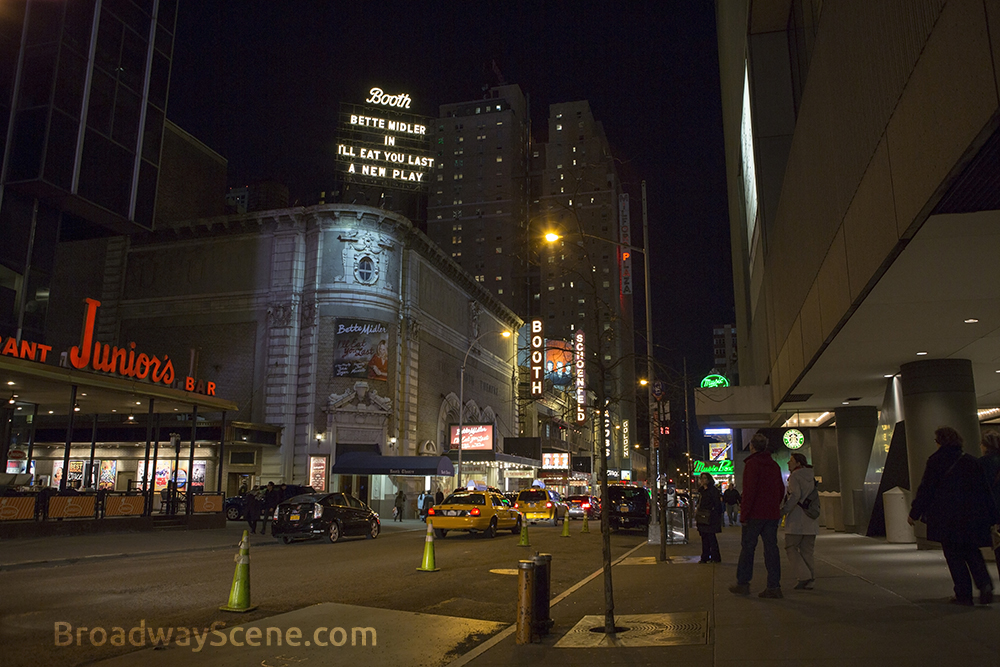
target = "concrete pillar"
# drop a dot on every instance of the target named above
(937, 392)
(856, 427)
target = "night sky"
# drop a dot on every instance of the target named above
(261, 83)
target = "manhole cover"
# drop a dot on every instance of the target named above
(505, 570)
(680, 629)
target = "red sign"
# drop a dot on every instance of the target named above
(474, 436)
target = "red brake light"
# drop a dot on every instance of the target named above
(516, 506)
(474, 511)
(430, 511)
(586, 506)
(548, 504)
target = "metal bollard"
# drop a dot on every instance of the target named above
(543, 589)
(525, 601)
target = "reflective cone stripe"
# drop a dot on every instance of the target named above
(524, 533)
(428, 563)
(239, 593)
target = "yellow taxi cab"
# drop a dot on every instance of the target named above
(541, 504)
(475, 510)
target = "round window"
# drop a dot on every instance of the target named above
(366, 270)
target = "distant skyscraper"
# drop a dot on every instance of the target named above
(724, 345)
(477, 208)
(83, 95)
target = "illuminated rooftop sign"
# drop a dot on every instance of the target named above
(381, 145)
(714, 380)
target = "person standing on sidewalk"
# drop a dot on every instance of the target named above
(990, 463)
(800, 529)
(955, 502)
(760, 513)
(732, 500)
(251, 510)
(399, 504)
(708, 518)
(272, 497)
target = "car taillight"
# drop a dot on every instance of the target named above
(516, 506)
(586, 506)
(548, 504)
(317, 510)
(430, 512)
(474, 511)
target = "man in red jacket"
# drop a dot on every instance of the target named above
(760, 513)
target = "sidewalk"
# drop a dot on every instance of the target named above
(64, 550)
(874, 604)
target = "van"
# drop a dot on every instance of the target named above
(629, 506)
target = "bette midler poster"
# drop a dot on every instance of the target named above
(361, 350)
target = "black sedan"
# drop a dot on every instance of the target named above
(330, 515)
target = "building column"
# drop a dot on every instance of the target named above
(856, 427)
(937, 392)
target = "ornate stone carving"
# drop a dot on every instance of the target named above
(280, 314)
(361, 398)
(310, 314)
(474, 311)
(427, 448)
(365, 257)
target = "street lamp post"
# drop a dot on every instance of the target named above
(461, 401)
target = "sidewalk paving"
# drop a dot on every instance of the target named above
(21, 553)
(874, 604)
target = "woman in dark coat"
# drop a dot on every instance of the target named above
(709, 500)
(955, 502)
(990, 463)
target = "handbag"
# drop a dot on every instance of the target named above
(703, 516)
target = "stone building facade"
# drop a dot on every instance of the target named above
(287, 310)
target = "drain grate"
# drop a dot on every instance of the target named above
(679, 629)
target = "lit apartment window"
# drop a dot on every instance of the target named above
(458, 239)
(558, 115)
(440, 177)
(535, 154)
(562, 190)
(456, 228)
(552, 289)
(558, 166)
(558, 126)
(500, 291)
(461, 139)
(574, 149)
(562, 177)
(499, 277)
(607, 284)
(582, 302)
(571, 283)
(498, 107)
(439, 216)
(456, 254)
(499, 251)
(570, 202)
(499, 122)
(457, 177)
(499, 158)
(574, 162)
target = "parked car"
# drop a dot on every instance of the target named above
(629, 506)
(580, 506)
(474, 511)
(330, 515)
(538, 504)
(234, 504)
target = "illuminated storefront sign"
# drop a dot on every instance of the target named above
(537, 364)
(793, 438)
(714, 467)
(103, 358)
(714, 380)
(607, 434)
(625, 236)
(382, 146)
(555, 461)
(580, 376)
(474, 436)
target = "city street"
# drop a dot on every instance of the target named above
(186, 588)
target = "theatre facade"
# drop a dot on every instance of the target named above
(343, 326)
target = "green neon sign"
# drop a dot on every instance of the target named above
(714, 380)
(793, 438)
(714, 467)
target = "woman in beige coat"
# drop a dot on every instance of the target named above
(800, 530)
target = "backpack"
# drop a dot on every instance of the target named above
(810, 504)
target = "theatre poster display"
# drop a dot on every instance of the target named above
(474, 436)
(361, 350)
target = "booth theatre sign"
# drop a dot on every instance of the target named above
(381, 145)
(127, 362)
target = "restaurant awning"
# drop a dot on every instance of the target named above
(369, 463)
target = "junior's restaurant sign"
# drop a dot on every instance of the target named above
(93, 355)
(474, 436)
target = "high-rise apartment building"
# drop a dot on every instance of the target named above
(83, 95)
(576, 193)
(724, 348)
(477, 208)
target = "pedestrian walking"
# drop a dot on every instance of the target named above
(760, 513)
(732, 499)
(990, 463)
(398, 505)
(251, 510)
(421, 500)
(800, 528)
(439, 497)
(955, 502)
(708, 519)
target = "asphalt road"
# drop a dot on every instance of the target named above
(185, 590)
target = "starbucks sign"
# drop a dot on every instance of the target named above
(793, 438)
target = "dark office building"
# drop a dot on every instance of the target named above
(83, 94)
